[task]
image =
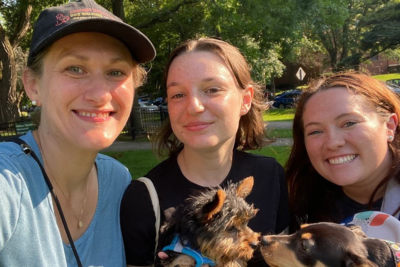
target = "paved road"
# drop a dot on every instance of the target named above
(127, 145)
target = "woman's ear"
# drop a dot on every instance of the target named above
(391, 125)
(247, 100)
(31, 84)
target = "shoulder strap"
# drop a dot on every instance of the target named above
(28, 151)
(156, 205)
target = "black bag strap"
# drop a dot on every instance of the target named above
(28, 151)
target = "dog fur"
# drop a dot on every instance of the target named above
(326, 244)
(215, 223)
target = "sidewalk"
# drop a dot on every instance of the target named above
(126, 145)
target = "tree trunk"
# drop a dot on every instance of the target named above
(134, 119)
(118, 9)
(8, 82)
(273, 83)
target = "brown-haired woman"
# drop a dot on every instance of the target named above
(215, 112)
(345, 153)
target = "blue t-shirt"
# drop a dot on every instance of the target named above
(29, 235)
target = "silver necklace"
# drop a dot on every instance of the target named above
(79, 216)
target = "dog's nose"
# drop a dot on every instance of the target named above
(264, 241)
(254, 244)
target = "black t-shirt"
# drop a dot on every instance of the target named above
(348, 207)
(269, 195)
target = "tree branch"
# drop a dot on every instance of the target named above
(23, 24)
(164, 15)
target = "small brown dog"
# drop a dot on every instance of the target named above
(328, 244)
(214, 225)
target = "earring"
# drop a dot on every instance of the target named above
(34, 102)
(391, 138)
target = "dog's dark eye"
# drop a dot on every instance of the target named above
(231, 229)
(304, 245)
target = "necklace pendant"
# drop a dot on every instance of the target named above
(80, 224)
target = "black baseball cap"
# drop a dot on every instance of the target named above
(87, 16)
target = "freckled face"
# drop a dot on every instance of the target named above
(346, 140)
(86, 90)
(204, 101)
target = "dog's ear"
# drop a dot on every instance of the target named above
(169, 212)
(353, 260)
(245, 187)
(215, 205)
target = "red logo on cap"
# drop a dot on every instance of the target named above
(61, 19)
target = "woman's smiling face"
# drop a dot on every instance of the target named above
(346, 139)
(205, 102)
(86, 89)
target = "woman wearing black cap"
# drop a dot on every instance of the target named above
(59, 198)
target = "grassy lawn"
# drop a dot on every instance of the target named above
(385, 77)
(279, 133)
(279, 114)
(139, 162)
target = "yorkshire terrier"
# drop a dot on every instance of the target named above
(212, 228)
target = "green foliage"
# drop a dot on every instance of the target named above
(313, 32)
(383, 29)
(12, 10)
(251, 25)
(340, 26)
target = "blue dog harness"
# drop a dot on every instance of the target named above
(177, 246)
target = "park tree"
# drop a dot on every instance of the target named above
(11, 34)
(342, 26)
(261, 30)
(17, 17)
(382, 30)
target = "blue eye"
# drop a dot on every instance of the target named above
(116, 73)
(314, 132)
(75, 69)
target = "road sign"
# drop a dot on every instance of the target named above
(300, 74)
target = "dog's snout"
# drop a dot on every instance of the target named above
(264, 241)
(254, 244)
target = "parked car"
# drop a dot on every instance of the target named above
(163, 106)
(147, 107)
(394, 88)
(158, 101)
(394, 82)
(287, 99)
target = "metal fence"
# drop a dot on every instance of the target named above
(144, 122)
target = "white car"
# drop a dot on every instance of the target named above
(146, 107)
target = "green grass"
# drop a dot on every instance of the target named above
(281, 153)
(279, 114)
(139, 162)
(385, 77)
(279, 133)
